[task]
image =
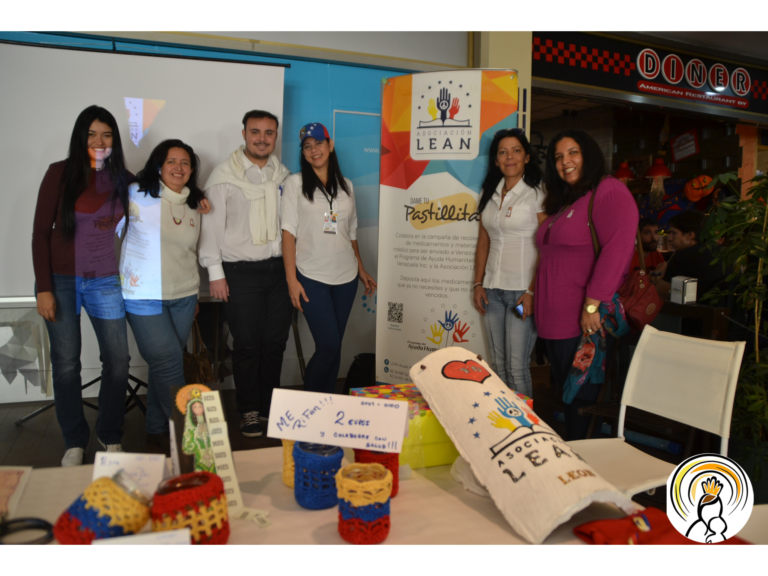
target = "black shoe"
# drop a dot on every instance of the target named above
(250, 425)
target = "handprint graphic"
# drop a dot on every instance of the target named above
(443, 103)
(437, 334)
(509, 410)
(454, 108)
(449, 321)
(458, 335)
(500, 422)
(432, 109)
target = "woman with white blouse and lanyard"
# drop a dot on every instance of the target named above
(320, 252)
(511, 209)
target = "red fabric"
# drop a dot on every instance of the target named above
(652, 259)
(356, 531)
(625, 531)
(193, 499)
(69, 530)
(390, 461)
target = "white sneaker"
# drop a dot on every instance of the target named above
(111, 447)
(73, 457)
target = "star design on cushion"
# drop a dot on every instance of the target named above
(476, 434)
(471, 420)
(475, 405)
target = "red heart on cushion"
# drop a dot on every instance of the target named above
(469, 370)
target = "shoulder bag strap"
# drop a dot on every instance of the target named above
(595, 242)
(640, 252)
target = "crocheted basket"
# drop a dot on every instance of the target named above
(391, 461)
(315, 467)
(105, 510)
(364, 493)
(195, 501)
(289, 468)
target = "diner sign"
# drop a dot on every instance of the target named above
(347, 421)
(534, 477)
(634, 68)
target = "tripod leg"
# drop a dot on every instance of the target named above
(20, 422)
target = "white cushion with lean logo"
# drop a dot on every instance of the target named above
(535, 479)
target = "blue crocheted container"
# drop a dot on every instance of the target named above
(314, 482)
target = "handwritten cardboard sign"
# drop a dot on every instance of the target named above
(348, 421)
(146, 470)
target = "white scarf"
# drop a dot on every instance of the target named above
(177, 198)
(264, 223)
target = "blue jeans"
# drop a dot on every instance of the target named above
(161, 339)
(327, 313)
(102, 299)
(510, 340)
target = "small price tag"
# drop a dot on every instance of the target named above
(222, 451)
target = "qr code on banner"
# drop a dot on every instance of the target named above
(395, 312)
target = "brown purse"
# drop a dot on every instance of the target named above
(638, 295)
(197, 365)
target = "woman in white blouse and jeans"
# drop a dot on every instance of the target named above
(511, 208)
(320, 253)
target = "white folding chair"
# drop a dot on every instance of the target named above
(690, 380)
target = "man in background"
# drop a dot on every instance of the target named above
(649, 236)
(241, 246)
(692, 258)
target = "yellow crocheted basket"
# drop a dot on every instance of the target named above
(111, 500)
(364, 484)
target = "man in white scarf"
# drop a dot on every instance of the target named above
(240, 245)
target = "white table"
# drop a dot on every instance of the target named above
(430, 508)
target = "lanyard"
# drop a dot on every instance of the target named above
(329, 198)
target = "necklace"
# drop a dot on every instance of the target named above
(563, 209)
(178, 221)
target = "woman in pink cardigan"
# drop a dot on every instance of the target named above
(571, 281)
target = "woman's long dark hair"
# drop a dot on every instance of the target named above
(77, 170)
(149, 177)
(310, 181)
(531, 176)
(560, 193)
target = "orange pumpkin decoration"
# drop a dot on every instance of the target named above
(698, 188)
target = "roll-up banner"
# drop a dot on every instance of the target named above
(436, 130)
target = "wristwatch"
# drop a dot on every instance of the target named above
(590, 308)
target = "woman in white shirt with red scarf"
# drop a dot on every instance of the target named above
(506, 257)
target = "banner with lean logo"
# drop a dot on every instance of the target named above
(436, 130)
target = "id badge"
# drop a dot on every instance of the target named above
(509, 211)
(331, 223)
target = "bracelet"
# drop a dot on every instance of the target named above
(529, 293)
(476, 285)
(21, 524)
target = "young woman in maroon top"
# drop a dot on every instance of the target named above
(80, 202)
(571, 281)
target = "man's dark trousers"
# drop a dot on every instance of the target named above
(259, 312)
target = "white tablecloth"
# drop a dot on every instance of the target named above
(430, 508)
